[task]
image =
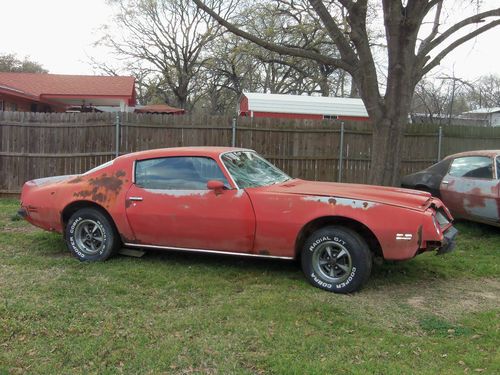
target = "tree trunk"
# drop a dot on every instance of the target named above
(386, 146)
(389, 125)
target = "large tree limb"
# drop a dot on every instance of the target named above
(436, 60)
(457, 27)
(334, 31)
(298, 52)
(435, 27)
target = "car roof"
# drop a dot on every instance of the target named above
(207, 151)
(489, 153)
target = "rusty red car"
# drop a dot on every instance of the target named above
(468, 183)
(232, 201)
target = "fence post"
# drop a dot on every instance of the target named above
(341, 152)
(233, 135)
(440, 140)
(117, 134)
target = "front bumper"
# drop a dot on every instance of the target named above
(22, 212)
(448, 241)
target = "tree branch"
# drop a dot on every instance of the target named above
(435, 27)
(307, 54)
(457, 27)
(336, 34)
(436, 60)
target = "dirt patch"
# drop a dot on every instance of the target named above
(451, 299)
(20, 229)
(457, 297)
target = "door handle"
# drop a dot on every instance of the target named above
(135, 199)
(445, 182)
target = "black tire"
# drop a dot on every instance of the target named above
(91, 236)
(336, 259)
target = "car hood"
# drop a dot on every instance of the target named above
(406, 198)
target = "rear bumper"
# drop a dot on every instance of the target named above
(448, 241)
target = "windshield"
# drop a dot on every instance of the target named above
(250, 170)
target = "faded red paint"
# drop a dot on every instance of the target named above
(262, 221)
(352, 118)
(244, 106)
(476, 199)
(301, 116)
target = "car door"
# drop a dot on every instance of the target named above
(169, 205)
(470, 189)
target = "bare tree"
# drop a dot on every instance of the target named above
(486, 92)
(441, 98)
(235, 65)
(410, 55)
(293, 26)
(430, 100)
(166, 38)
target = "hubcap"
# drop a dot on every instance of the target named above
(332, 261)
(89, 237)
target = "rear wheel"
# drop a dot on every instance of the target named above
(91, 236)
(336, 259)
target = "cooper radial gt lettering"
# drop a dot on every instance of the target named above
(349, 279)
(319, 241)
(321, 282)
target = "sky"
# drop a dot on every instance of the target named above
(60, 35)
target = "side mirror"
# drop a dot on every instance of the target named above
(216, 186)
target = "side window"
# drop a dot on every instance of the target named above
(472, 166)
(498, 167)
(177, 173)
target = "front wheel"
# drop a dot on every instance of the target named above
(91, 236)
(336, 259)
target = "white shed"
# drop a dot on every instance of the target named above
(491, 115)
(301, 106)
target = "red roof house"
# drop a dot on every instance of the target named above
(36, 92)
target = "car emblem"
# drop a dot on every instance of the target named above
(404, 236)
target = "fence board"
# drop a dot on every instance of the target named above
(34, 145)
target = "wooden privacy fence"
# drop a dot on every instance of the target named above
(34, 145)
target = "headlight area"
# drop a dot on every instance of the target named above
(446, 233)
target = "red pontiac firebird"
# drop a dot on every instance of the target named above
(232, 201)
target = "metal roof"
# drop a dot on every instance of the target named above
(300, 104)
(485, 110)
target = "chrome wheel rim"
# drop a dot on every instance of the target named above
(332, 262)
(89, 236)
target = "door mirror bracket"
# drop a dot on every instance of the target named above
(216, 186)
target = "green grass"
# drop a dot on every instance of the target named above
(183, 313)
